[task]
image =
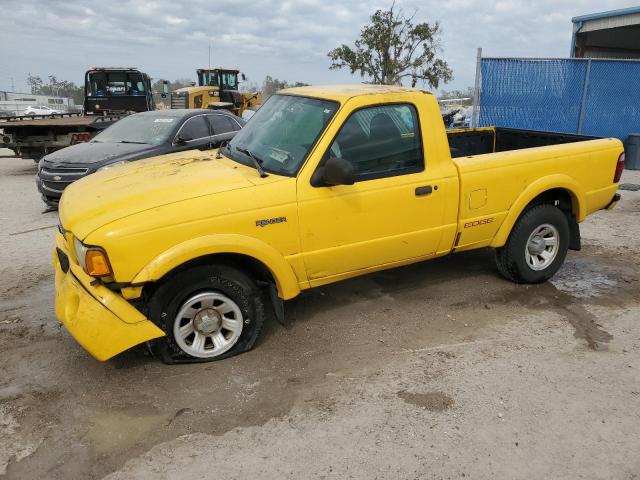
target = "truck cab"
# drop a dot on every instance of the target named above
(110, 90)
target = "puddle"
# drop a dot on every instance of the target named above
(115, 431)
(547, 296)
(583, 279)
(13, 447)
(432, 401)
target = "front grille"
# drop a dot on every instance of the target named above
(56, 178)
(55, 186)
(77, 172)
(179, 100)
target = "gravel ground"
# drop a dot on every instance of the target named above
(437, 370)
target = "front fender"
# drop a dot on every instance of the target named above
(285, 278)
(565, 182)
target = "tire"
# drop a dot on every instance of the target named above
(519, 260)
(208, 313)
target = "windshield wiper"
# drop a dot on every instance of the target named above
(223, 146)
(256, 161)
(129, 141)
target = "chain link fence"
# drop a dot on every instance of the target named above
(586, 96)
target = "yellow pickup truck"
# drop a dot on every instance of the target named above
(190, 252)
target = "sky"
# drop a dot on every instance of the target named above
(169, 39)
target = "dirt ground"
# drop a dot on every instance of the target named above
(438, 370)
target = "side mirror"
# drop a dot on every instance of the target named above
(181, 139)
(335, 171)
(165, 89)
(242, 75)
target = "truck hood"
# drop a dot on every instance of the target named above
(109, 195)
(92, 153)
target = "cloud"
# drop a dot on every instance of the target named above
(171, 20)
(285, 39)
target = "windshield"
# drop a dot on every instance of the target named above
(282, 133)
(107, 84)
(229, 80)
(150, 129)
(208, 78)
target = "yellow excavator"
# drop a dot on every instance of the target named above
(217, 89)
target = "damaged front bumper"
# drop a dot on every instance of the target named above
(100, 320)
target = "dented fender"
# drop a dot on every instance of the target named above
(283, 274)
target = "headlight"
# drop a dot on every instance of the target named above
(111, 165)
(93, 260)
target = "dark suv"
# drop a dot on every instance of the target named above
(137, 136)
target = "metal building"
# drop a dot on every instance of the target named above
(613, 34)
(16, 103)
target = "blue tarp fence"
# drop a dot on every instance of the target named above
(587, 96)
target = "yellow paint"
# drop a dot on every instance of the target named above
(224, 243)
(100, 320)
(477, 198)
(154, 215)
(130, 293)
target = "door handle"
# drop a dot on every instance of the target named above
(423, 191)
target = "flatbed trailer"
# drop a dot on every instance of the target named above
(110, 94)
(35, 136)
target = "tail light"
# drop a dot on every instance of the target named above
(619, 168)
(80, 137)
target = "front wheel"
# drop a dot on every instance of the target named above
(208, 313)
(537, 245)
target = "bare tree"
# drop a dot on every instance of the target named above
(391, 48)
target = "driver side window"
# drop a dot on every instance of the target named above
(195, 128)
(381, 141)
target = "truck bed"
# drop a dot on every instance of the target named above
(497, 165)
(33, 137)
(478, 141)
(58, 120)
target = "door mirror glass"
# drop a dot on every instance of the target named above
(335, 171)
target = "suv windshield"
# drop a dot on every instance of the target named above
(151, 129)
(282, 132)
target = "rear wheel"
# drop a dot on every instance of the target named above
(537, 245)
(208, 313)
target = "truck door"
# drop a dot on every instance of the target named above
(392, 213)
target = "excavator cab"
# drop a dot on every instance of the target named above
(219, 77)
(217, 89)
